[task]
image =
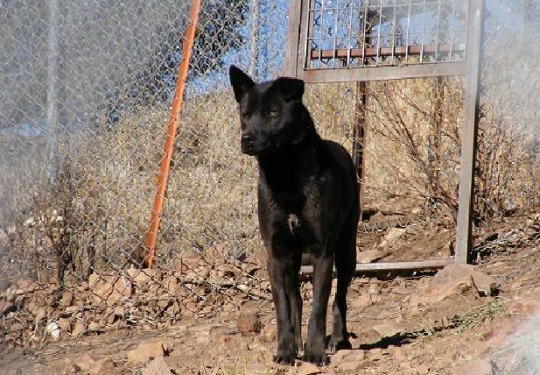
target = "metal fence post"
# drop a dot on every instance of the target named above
(174, 119)
(52, 88)
(253, 43)
(470, 127)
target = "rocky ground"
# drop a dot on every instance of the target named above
(214, 315)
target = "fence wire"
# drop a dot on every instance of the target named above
(84, 103)
(384, 33)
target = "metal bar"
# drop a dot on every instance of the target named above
(383, 72)
(321, 35)
(408, 42)
(359, 138)
(423, 35)
(334, 41)
(350, 33)
(253, 41)
(359, 131)
(379, 32)
(437, 41)
(450, 32)
(53, 88)
(413, 50)
(307, 33)
(393, 266)
(293, 38)
(365, 37)
(470, 126)
(393, 41)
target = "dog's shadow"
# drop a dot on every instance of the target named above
(385, 342)
(397, 341)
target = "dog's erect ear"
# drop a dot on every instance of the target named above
(290, 88)
(240, 82)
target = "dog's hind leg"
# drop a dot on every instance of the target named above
(315, 350)
(345, 260)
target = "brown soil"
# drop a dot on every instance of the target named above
(390, 332)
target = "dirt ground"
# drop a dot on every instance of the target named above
(459, 321)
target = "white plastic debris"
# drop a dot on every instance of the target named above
(53, 329)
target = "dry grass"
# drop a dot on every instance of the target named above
(478, 315)
(23, 167)
(107, 178)
(413, 142)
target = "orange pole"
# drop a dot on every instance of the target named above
(174, 119)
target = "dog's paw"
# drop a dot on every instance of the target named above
(318, 358)
(285, 358)
(338, 344)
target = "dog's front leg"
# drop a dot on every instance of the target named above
(315, 351)
(283, 274)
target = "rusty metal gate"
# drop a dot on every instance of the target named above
(362, 41)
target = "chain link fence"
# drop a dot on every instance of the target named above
(86, 93)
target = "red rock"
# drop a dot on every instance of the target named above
(85, 362)
(110, 289)
(6, 306)
(78, 329)
(454, 279)
(354, 367)
(422, 369)
(90, 365)
(157, 366)
(248, 323)
(228, 342)
(94, 326)
(522, 306)
(106, 367)
(269, 334)
(485, 284)
(67, 299)
(145, 351)
(387, 329)
(65, 324)
(307, 368)
(497, 336)
(343, 355)
(368, 256)
(26, 286)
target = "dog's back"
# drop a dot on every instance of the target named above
(347, 174)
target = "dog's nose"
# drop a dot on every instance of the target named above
(247, 142)
(247, 138)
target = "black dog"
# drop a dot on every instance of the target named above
(308, 203)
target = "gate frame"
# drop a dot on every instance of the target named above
(470, 67)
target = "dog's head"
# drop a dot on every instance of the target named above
(271, 113)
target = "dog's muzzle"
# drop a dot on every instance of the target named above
(247, 143)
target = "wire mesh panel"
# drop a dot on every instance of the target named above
(83, 114)
(377, 33)
(339, 35)
(509, 126)
(86, 86)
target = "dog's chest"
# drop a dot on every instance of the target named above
(299, 216)
(293, 223)
(292, 214)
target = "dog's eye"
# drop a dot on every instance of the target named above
(272, 113)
